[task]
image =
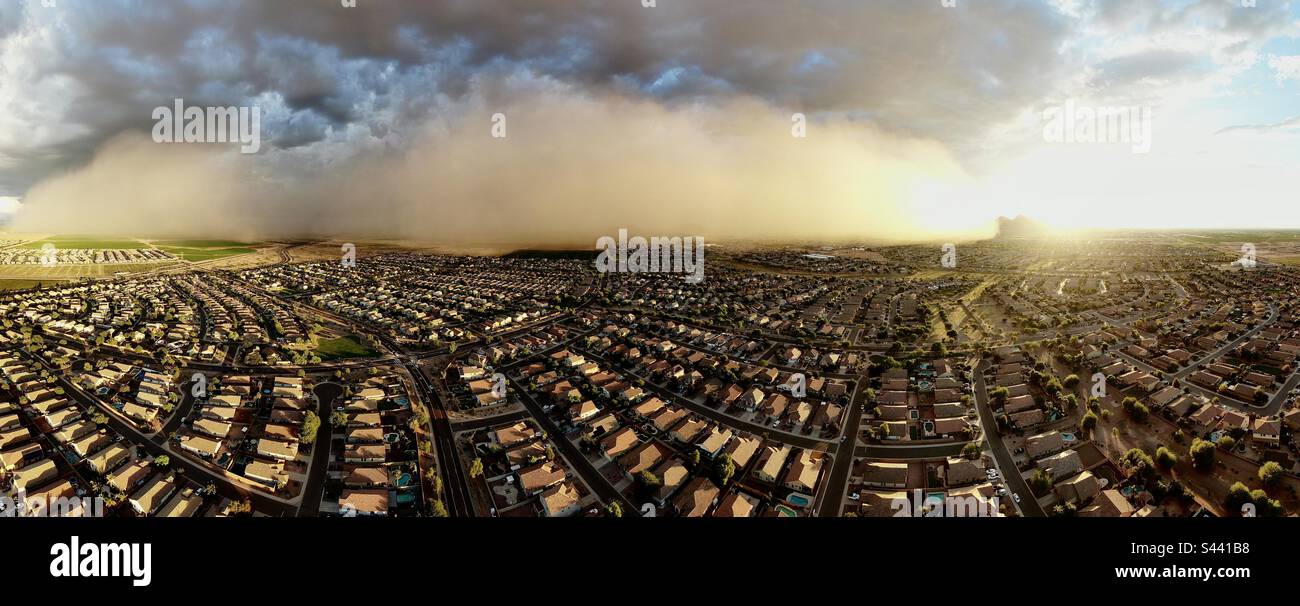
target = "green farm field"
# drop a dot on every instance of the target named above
(199, 243)
(86, 242)
(194, 254)
(196, 250)
(20, 284)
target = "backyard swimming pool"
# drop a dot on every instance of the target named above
(785, 512)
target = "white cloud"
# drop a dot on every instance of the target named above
(1285, 67)
(9, 206)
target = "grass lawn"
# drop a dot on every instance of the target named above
(343, 347)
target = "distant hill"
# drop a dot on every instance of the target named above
(1020, 227)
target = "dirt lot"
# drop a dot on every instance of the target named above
(1211, 486)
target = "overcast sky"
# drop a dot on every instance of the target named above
(922, 120)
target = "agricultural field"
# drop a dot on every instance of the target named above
(197, 251)
(1236, 236)
(20, 284)
(198, 243)
(69, 271)
(204, 254)
(194, 251)
(85, 242)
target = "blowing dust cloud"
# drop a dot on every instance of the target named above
(572, 166)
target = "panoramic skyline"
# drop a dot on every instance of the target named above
(919, 121)
(459, 266)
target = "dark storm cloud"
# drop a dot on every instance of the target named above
(898, 60)
(303, 128)
(384, 84)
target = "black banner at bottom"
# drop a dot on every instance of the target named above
(65, 556)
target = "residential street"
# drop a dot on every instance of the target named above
(836, 484)
(590, 475)
(320, 456)
(1028, 505)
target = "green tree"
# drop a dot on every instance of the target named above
(1238, 495)
(476, 467)
(162, 460)
(1264, 506)
(1088, 422)
(971, 450)
(1135, 409)
(649, 480)
(1138, 464)
(438, 509)
(1202, 453)
(339, 419)
(726, 469)
(1040, 482)
(614, 509)
(1270, 473)
(999, 394)
(310, 426)
(1166, 458)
